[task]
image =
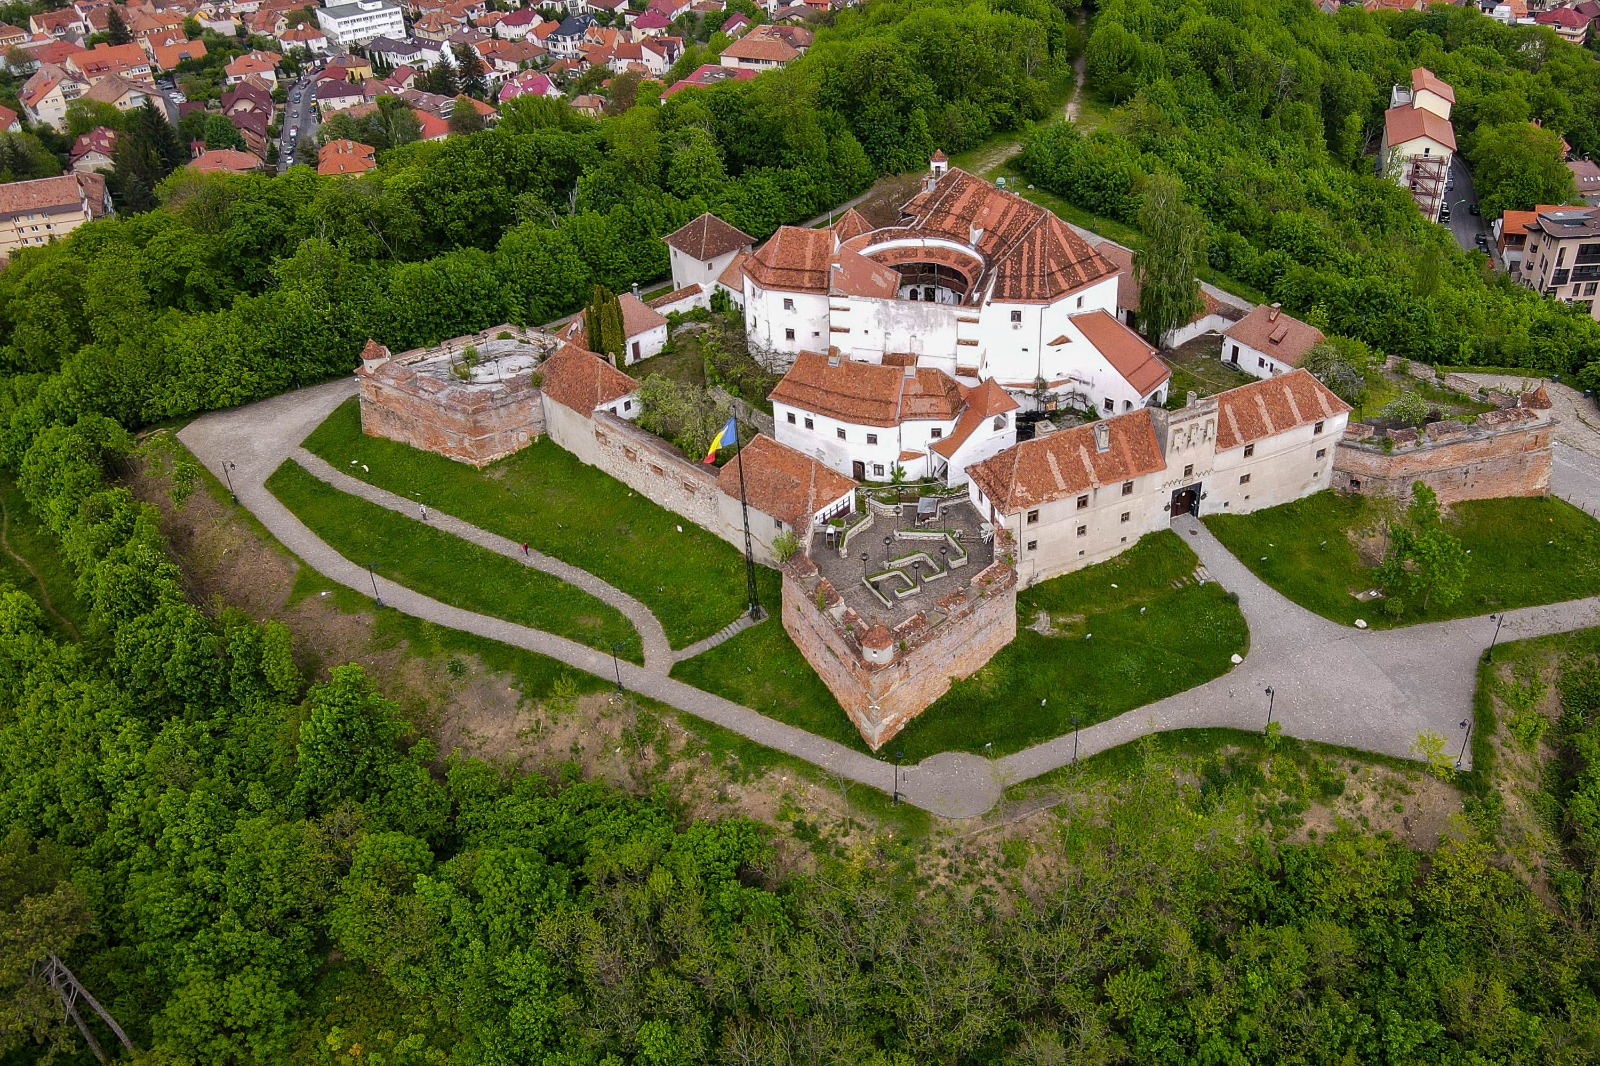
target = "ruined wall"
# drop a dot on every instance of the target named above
(474, 424)
(880, 700)
(1512, 460)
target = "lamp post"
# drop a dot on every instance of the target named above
(898, 755)
(375, 597)
(1074, 740)
(916, 572)
(864, 564)
(1272, 697)
(1499, 620)
(227, 469)
(617, 666)
(1467, 725)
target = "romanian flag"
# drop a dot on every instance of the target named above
(728, 435)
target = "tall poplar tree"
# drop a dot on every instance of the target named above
(1173, 253)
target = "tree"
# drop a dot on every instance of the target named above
(1441, 562)
(1331, 366)
(1166, 269)
(464, 117)
(116, 28)
(602, 317)
(1517, 166)
(441, 80)
(23, 157)
(84, 115)
(471, 73)
(146, 152)
(220, 133)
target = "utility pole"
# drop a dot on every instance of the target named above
(749, 551)
(66, 986)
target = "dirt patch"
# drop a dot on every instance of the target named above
(1414, 807)
(884, 200)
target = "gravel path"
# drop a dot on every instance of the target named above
(1375, 691)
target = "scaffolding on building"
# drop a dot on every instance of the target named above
(1428, 177)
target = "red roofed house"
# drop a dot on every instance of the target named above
(1079, 496)
(1569, 24)
(1586, 176)
(974, 281)
(37, 212)
(230, 160)
(526, 83)
(103, 59)
(1267, 342)
(759, 50)
(787, 491)
(341, 156)
(643, 327)
(701, 251)
(9, 120)
(710, 74)
(263, 65)
(168, 56)
(92, 150)
(1418, 140)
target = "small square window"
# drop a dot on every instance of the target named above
(1316, 429)
(840, 433)
(936, 433)
(1083, 501)
(1322, 453)
(1016, 316)
(788, 334)
(877, 469)
(1188, 471)
(1033, 545)
(791, 418)
(1260, 362)
(1082, 530)
(1127, 515)
(872, 438)
(809, 424)
(1249, 450)
(778, 525)
(1111, 405)
(1033, 517)
(1127, 488)
(788, 304)
(1244, 479)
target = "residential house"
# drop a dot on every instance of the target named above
(168, 56)
(651, 23)
(248, 96)
(784, 490)
(350, 67)
(46, 94)
(1076, 497)
(708, 74)
(659, 53)
(229, 160)
(877, 422)
(526, 83)
(701, 250)
(9, 120)
(1562, 256)
(1267, 342)
(1511, 236)
(670, 9)
(737, 23)
(128, 60)
(119, 92)
(361, 20)
(334, 95)
(507, 57)
(615, 8)
(434, 26)
(1568, 23)
(311, 39)
(1586, 177)
(342, 156)
(431, 127)
(60, 24)
(402, 52)
(589, 104)
(92, 151)
(758, 52)
(568, 38)
(644, 329)
(36, 212)
(1418, 140)
(517, 25)
(12, 36)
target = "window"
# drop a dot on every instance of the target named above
(1126, 515)
(915, 296)
(1249, 450)
(840, 433)
(627, 405)
(1127, 488)
(788, 334)
(877, 469)
(1188, 471)
(791, 418)
(1082, 530)
(1000, 420)
(935, 433)
(1127, 405)
(809, 424)
(1033, 545)
(872, 438)
(1033, 517)
(1322, 453)
(1016, 316)
(1588, 290)
(1083, 501)
(1316, 429)
(1080, 301)
(1260, 362)
(778, 525)
(788, 304)
(1244, 479)
(1111, 405)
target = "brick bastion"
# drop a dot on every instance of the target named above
(1500, 453)
(474, 399)
(889, 634)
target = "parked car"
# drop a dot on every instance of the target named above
(1482, 241)
(1444, 213)
(1472, 208)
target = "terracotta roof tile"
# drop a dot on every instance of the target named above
(582, 380)
(1273, 405)
(1067, 463)
(1272, 331)
(867, 394)
(761, 49)
(732, 276)
(793, 259)
(852, 274)
(1128, 353)
(1407, 123)
(781, 482)
(637, 316)
(707, 237)
(1423, 78)
(983, 403)
(675, 295)
(851, 224)
(45, 194)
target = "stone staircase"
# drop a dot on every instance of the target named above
(727, 632)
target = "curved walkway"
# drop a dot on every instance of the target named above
(1375, 691)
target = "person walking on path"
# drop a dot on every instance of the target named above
(524, 549)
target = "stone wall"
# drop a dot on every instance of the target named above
(1504, 453)
(930, 649)
(473, 423)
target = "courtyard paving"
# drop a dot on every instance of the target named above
(1373, 691)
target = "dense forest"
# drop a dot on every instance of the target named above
(1270, 112)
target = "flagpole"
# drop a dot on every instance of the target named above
(749, 552)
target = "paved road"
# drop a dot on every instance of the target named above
(299, 114)
(1374, 691)
(1463, 224)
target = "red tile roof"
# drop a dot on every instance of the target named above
(1423, 78)
(707, 237)
(853, 274)
(867, 394)
(1275, 333)
(1564, 17)
(1407, 123)
(229, 159)
(851, 224)
(779, 481)
(1128, 353)
(1067, 463)
(47, 194)
(983, 403)
(582, 380)
(1127, 288)
(794, 259)
(675, 295)
(732, 276)
(637, 316)
(761, 50)
(1273, 405)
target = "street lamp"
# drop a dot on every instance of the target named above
(1074, 740)
(617, 666)
(1271, 698)
(1499, 620)
(375, 597)
(898, 755)
(863, 564)
(916, 572)
(227, 467)
(1467, 725)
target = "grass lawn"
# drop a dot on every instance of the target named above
(1524, 552)
(450, 569)
(1106, 658)
(24, 537)
(693, 581)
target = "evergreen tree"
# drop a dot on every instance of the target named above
(441, 81)
(117, 31)
(1166, 267)
(147, 151)
(602, 319)
(473, 77)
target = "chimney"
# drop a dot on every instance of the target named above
(911, 370)
(833, 357)
(1190, 397)
(1102, 437)
(636, 290)
(1272, 315)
